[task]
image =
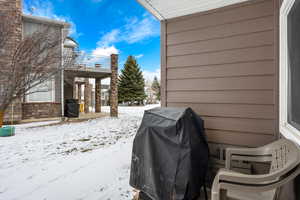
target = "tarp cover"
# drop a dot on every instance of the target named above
(170, 154)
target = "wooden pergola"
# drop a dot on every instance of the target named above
(98, 73)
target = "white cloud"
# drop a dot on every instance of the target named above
(41, 8)
(138, 30)
(109, 38)
(73, 30)
(139, 56)
(44, 8)
(104, 51)
(135, 30)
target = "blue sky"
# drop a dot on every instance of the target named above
(103, 27)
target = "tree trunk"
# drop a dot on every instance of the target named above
(1, 118)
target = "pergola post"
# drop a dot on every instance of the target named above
(86, 96)
(79, 92)
(114, 86)
(74, 89)
(97, 95)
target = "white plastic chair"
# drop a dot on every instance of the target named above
(284, 156)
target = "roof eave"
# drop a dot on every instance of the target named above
(171, 9)
(44, 20)
(151, 9)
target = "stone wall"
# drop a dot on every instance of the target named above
(87, 95)
(11, 11)
(41, 110)
(97, 95)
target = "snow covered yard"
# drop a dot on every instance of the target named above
(86, 160)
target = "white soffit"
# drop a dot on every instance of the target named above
(167, 9)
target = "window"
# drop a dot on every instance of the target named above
(42, 93)
(290, 69)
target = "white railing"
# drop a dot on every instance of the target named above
(92, 60)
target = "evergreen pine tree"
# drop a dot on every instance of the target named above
(156, 88)
(131, 83)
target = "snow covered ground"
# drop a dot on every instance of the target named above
(73, 161)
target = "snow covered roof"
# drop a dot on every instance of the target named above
(88, 72)
(167, 9)
(70, 42)
(44, 20)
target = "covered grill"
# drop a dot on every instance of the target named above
(170, 155)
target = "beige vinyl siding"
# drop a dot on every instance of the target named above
(258, 39)
(226, 30)
(224, 64)
(240, 138)
(221, 84)
(224, 70)
(222, 16)
(222, 97)
(244, 111)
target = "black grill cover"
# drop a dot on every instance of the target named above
(170, 154)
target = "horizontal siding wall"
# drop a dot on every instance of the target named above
(223, 64)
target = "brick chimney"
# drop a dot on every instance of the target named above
(11, 11)
(114, 86)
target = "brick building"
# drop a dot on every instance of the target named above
(49, 100)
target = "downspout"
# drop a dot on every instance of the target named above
(62, 77)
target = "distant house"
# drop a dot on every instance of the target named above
(45, 101)
(150, 93)
(104, 95)
(48, 98)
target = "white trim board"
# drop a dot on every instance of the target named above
(286, 129)
(167, 9)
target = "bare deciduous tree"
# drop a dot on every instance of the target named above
(34, 60)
